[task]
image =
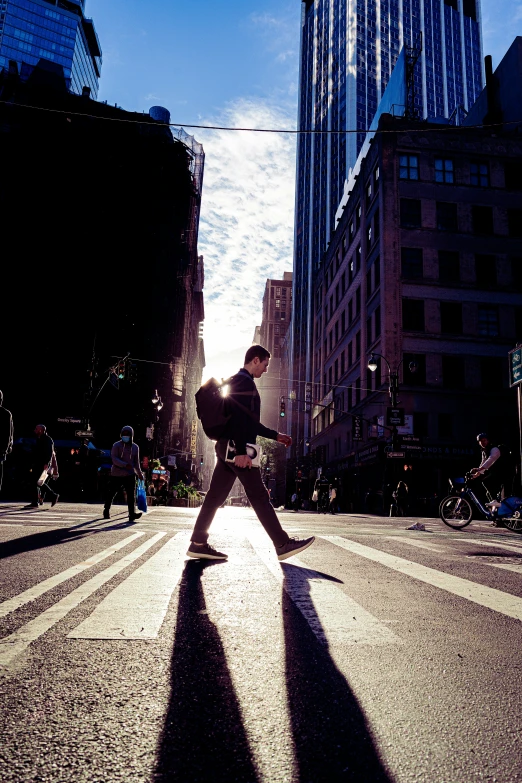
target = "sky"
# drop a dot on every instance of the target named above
(233, 63)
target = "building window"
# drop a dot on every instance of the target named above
(451, 318)
(411, 213)
(358, 301)
(342, 364)
(376, 175)
(482, 218)
(278, 291)
(414, 369)
(488, 321)
(330, 377)
(377, 321)
(336, 329)
(343, 283)
(411, 262)
(449, 266)
(515, 222)
(343, 322)
(420, 424)
(278, 303)
(369, 192)
(357, 391)
(445, 421)
(408, 167)
(486, 271)
(283, 315)
(350, 312)
(446, 216)
(453, 372)
(369, 283)
(283, 292)
(344, 244)
(413, 315)
(479, 174)
(443, 170)
(276, 329)
(370, 236)
(492, 372)
(376, 224)
(377, 273)
(358, 213)
(336, 371)
(516, 273)
(369, 331)
(513, 174)
(337, 294)
(350, 354)
(358, 345)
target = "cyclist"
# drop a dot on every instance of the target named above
(494, 471)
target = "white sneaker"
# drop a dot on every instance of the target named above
(416, 526)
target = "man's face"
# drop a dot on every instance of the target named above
(483, 443)
(38, 431)
(260, 367)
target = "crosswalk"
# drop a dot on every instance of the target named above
(152, 566)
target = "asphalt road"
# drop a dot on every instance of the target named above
(378, 654)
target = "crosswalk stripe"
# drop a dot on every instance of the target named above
(419, 544)
(13, 645)
(493, 544)
(137, 607)
(489, 597)
(9, 605)
(332, 615)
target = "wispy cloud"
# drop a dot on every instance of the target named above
(246, 231)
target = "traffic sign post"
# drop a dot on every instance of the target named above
(395, 417)
(396, 454)
(84, 434)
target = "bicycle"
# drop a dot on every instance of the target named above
(456, 510)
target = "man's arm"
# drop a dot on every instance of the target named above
(136, 463)
(487, 463)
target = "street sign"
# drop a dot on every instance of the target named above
(171, 460)
(515, 366)
(84, 434)
(357, 428)
(149, 433)
(395, 417)
(396, 454)
(69, 420)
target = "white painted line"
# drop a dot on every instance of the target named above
(419, 544)
(509, 605)
(13, 645)
(8, 606)
(137, 607)
(332, 615)
(516, 567)
(493, 544)
(5, 524)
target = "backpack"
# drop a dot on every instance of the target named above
(210, 408)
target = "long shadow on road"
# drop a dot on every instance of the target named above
(203, 740)
(331, 736)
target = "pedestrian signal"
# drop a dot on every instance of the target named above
(282, 408)
(121, 370)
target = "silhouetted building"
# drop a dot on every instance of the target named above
(99, 232)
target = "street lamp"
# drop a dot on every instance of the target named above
(393, 376)
(156, 397)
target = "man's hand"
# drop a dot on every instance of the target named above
(242, 461)
(475, 472)
(286, 440)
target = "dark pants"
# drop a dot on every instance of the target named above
(37, 492)
(128, 483)
(225, 473)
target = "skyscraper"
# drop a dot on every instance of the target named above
(52, 30)
(348, 51)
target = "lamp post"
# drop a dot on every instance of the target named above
(157, 405)
(393, 383)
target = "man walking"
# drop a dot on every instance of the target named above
(125, 455)
(6, 435)
(42, 460)
(243, 405)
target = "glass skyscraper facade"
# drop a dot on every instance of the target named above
(53, 30)
(348, 52)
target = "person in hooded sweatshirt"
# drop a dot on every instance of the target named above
(125, 455)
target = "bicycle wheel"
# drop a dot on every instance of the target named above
(455, 511)
(513, 523)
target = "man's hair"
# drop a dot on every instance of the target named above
(256, 350)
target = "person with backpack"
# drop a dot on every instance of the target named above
(236, 418)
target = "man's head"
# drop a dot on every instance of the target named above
(257, 360)
(127, 434)
(39, 430)
(482, 439)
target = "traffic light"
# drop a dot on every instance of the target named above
(282, 408)
(121, 370)
(201, 459)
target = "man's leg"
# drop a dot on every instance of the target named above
(129, 483)
(259, 498)
(113, 486)
(222, 481)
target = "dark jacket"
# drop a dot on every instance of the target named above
(243, 404)
(6, 432)
(43, 451)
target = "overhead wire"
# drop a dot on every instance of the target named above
(292, 131)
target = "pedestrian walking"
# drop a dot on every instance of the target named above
(41, 466)
(125, 456)
(243, 406)
(6, 435)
